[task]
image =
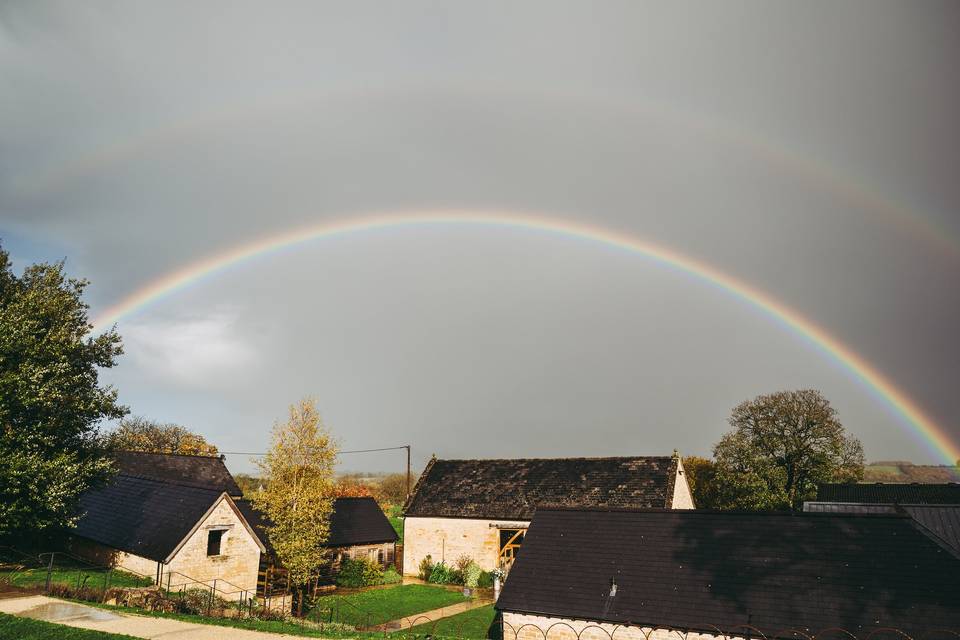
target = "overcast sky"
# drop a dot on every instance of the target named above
(810, 149)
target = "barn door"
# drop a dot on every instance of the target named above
(510, 541)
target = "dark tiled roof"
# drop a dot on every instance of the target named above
(514, 488)
(354, 521)
(207, 472)
(690, 569)
(890, 493)
(359, 521)
(941, 520)
(142, 516)
(848, 507)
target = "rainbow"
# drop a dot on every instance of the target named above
(934, 436)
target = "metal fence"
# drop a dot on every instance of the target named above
(61, 573)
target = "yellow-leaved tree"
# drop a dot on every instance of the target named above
(297, 497)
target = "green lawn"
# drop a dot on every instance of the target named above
(92, 578)
(396, 519)
(376, 606)
(469, 624)
(12, 627)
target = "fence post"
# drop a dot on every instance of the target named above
(49, 571)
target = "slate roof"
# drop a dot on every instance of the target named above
(354, 521)
(514, 488)
(890, 493)
(691, 569)
(143, 516)
(940, 520)
(207, 472)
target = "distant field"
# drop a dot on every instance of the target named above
(902, 471)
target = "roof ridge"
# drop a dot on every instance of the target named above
(666, 457)
(156, 480)
(715, 512)
(218, 456)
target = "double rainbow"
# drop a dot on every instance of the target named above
(932, 434)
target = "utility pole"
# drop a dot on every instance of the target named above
(408, 470)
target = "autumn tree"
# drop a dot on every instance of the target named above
(139, 434)
(393, 488)
(297, 498)
(701, 478)
(781, 447)
(51, 401)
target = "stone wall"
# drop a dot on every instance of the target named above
(526, 627)
(234, 569)
(449, 538)
(103, 555)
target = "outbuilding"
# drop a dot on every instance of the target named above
(482, 508)
(173, 519)
(602, 574)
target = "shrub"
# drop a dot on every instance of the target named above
(441, 574)
(463, 562)
(359, 573)
(485, 580)
(390, 576)
(471, 574)
(426, 568)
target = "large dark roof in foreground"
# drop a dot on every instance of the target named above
(354, 521)
(142, 516)
(773, 571)
(940, 520)
(890, 493)
(197, 471)
(514, 488)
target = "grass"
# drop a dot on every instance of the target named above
(469, 624)
(272, 626)
(93, 578)
(376, 606)
(396, 519)
(26, 629)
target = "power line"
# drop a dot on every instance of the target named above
(263, 453)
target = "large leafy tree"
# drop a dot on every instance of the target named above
(781, 447)
(51, 401)
(298, 492)
(140, 434)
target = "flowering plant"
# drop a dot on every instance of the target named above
(498, 573)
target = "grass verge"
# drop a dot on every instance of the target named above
(469, 624)
(376, 606)
(12, 627)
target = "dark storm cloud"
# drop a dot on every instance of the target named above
(809, 150)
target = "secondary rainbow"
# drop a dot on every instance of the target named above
(932, 434)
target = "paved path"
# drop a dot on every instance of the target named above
(78, 615)
(432, 616)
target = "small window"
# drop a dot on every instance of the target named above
(380, 556)
(214, 538)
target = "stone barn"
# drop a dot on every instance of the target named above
(607, 574)
(482, 508)
(358, 529)
(174, 519)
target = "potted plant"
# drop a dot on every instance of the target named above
(498, 575)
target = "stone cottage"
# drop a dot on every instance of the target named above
(482, 508)
(173, 519)
(602, 574)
